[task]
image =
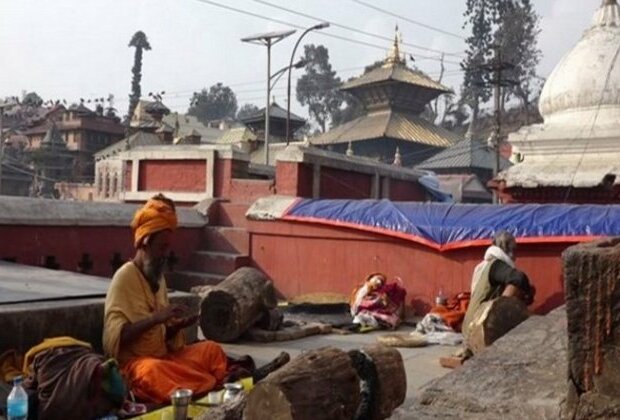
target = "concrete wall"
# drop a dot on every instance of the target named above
(306, 258)
(59, 234)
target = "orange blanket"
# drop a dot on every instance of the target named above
(453, 312)
(199, 367)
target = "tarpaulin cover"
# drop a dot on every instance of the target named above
(450, 226)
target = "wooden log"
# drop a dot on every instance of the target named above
(231, 308)
(383, 381)
(493, 320)
(319, 384)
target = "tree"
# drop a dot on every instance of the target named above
(32, 99)
(475, 90)
(352, 107)
(247, 110)
(517, 30)
(140, 43)
(318, 87)
(217, 103)
(513, 26)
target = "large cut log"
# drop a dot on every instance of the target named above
(390, 387)
(232, 307)
(592, 279)
(319, 384)
(493, 320)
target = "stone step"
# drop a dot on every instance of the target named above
(232, 214)
(185, 280)
(217, 262)
(227, 239)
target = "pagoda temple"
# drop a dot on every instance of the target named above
(394, 97)
(574, 156)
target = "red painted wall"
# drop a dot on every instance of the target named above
(249, 190)
(294, 179)
(173, 175)
(31, 244)
(336, 184)
(406, 191)
(304, 258)
(222, 174)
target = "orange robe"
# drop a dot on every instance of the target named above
(154, 367)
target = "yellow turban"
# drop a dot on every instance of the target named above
(156, 215)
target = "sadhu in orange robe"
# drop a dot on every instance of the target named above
(153, 366)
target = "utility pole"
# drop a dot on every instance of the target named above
(497, 67)
(3, 105)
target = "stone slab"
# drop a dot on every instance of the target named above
(44, 212)
(23, 283)
(521, 376)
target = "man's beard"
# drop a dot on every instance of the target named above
(153, 270)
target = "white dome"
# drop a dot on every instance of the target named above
(585, 85)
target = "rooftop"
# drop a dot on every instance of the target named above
(389, 124)
(469, 153)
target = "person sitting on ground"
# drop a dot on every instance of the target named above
(144, 332)
(497, 276)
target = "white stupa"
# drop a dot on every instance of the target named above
(578, 145)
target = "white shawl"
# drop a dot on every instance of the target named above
(493, 253)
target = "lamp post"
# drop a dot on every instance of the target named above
(268, 39)
(319, 26)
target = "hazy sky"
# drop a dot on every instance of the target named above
(78, 48)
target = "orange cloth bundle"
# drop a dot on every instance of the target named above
(154, 216)
(453, 312)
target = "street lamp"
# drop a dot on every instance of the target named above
(276, 76)
(319, 26)
(268, 39)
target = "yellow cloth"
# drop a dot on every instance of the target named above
(51, 343)
(130, 299)
(13, 364)
(154, 216)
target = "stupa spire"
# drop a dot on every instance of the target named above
(608, 14)
(394, 56)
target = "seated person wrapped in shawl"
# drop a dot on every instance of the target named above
(377, 303)
(143, 331)
(72, 381)
(497, 276)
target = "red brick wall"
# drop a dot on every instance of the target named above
(304, 258)
(336, 183)
(406, 191)
(173, 175)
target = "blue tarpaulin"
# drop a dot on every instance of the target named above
(449, 226)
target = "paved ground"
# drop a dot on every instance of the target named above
(421, 364)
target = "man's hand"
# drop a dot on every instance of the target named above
(175, 325)
(183, 322)
(169, 312)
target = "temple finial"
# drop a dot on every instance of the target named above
(394, 56)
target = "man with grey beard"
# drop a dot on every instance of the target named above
(143, 331)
